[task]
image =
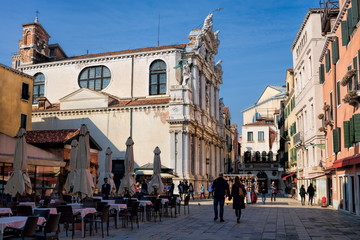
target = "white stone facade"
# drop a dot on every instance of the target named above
(185, 122)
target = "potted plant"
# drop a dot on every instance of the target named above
(347, 77)
(322, 129)
(321, 116)
(326, 107)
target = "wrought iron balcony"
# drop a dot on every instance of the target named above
(297, 139)
(330, 10)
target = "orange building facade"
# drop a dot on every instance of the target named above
(339, 74)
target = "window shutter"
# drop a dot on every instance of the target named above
(335, 141)
(327, 61)
(344, 33)
(347, 142)
(350, 24)
(351, 130)
(355, 66)
(321, 73)
(356, 120)
(335, 50)
(354, 12)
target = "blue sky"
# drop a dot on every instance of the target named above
(256, 36)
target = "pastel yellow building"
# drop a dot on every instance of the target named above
(15, 100)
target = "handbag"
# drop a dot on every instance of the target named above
(241, 193)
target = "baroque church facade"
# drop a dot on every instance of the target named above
(165, 96)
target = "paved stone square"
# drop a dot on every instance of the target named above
(285, 219)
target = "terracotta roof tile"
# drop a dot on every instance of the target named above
(178, 46)
(50, 136)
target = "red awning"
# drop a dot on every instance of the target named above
(284, 178)
(348, 161)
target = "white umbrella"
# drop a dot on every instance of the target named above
(107, 171)
(84, 183)
(156, 182)
(19, 181)
(127, 184)
(69, 184)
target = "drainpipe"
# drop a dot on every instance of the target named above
(335, 107)
(132, 94)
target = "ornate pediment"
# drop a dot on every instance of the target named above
(204, 41)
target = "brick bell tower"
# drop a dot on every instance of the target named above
(34, 45)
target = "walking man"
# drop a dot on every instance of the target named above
(273, 189)
(221, 190)
(210, 190)
(263, 191)
(302, 194)
(311, 192)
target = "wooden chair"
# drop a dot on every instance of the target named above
(68, 218)
(45, 213)
(103, 218)
(50, 229)
(157, 209)
(131, 214)
(28, 230)
(23, 210)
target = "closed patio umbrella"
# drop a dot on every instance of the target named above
(156, 185)
(84, 183)
(69, 184)
(107, 173)
(127, 185)
(19, 181)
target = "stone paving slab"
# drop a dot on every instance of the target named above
(285, 219)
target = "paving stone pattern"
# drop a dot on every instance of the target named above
(285, 219)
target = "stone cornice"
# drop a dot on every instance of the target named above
(101, 59)
(99, 110)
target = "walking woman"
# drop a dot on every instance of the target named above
(238, 194)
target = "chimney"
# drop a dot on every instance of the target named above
(43, 103)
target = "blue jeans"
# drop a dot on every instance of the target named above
(263, 197)
(221, 203)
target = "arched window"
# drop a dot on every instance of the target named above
(95, 78)
(157, 84)
(263, 156)
(39, 86)
(270, 156)
(257, 156)
(247, 156)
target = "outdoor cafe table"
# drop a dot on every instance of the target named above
(75, 205)
(108, 201)
(32, 204)
(6, 211)
(144, 203)
(97, 197)
(42, 201)
(15, 222)
(83, 212)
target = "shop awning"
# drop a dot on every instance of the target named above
(289, 175)
(348, 161)
(150, 172)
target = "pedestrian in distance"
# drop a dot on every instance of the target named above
(105, 189)
(238, 195)
(311, 192)
(263, 191)
(144, 187)
(191, 191)
(185, 188)
(221, 190)
(302, 194)
(274, 190)
(202, 191)
(210, 190)
(181, 189)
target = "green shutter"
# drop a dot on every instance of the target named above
(356, 127)
(349, 22)
(335, 140)
(321, 73)
(335, 50)
(344, 33)
(355, 66)
(347, 142)
(327, 61)
(354, 12)
(351, 130)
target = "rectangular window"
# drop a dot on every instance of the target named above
(321, 73)
(335, 50)
(331, 117)
(23, 121)
(347, 142)
(261, 136)
(25, 91)
(250, 137)
(338, 97)
(344, 33)
(355, 66)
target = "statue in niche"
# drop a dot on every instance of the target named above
(207, 23)
(207, 97)
(187, 75)
(206, 27)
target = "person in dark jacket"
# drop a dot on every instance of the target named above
(263, 191)
(302, 194)
(311, 192)
(238, 195)
(221, 189)
(105, 189)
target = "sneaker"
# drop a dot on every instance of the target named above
(222, 220)
(215, 218)
(238, 220)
